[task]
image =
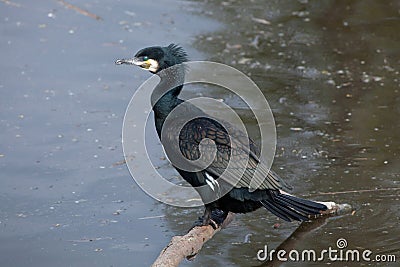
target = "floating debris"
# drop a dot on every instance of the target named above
(122, 162)
(130, 13)
(247, 238)
(296, 129)
(84, 240)
(11, 3)
(79, 10)
(262, 21)
(151, 217)
(80, 201)
(244, 60)
(234, 46)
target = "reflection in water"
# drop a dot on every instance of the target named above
(330, 70)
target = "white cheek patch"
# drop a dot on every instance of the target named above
(153, 65)
(211, 182)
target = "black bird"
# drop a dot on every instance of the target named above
(239, 199)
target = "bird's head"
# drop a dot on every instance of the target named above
(156, 58)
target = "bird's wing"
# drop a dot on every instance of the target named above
(242, 170)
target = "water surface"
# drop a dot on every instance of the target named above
(330, 71)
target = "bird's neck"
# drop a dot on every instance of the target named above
(165, 95)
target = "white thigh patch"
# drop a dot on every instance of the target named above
(211, 181)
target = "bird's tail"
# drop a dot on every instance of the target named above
(289, 208)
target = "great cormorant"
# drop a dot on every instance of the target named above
(239, 199)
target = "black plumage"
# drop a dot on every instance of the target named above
(239, 199)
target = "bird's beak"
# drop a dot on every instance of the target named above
(130, 61)
(150, 64)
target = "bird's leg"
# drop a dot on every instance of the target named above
(213, 217)
(218, 216)
(205, 219)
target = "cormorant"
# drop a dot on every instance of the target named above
(239, 199)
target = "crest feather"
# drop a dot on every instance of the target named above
(178, 52)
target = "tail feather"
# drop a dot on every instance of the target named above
(284, 212)
(290, 208)
(275, 210)
(303, 205)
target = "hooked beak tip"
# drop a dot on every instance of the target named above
(130, 61)
(121, 61)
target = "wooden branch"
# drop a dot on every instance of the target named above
(187, 246)
(335, 209)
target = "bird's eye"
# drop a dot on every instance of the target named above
(145, 58)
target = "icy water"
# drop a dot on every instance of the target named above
(329, 69)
